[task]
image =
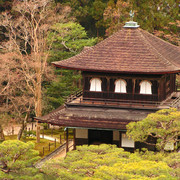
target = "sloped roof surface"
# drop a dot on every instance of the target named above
(127, 51)
(93, 117)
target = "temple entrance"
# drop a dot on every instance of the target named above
(97, 137)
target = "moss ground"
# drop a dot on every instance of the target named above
(43, 146)
(38, 146)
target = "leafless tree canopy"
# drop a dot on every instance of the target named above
(24, 53)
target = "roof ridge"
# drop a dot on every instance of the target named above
(166, 61)
(160, 39)
(167, 43)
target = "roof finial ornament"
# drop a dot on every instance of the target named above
(131, 23)
(131, 13)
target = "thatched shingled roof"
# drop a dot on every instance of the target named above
(130, 50)
(88, 117)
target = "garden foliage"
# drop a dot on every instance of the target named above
(164, 126)
(109, 162)
(17, 160)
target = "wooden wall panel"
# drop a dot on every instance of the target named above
(162, 86)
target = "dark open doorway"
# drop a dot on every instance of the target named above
(100, 136)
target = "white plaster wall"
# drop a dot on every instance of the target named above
(126, 142)
(82, 133)
(115, 135)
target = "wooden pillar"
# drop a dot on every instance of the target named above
(74, 139)
(164, 88)
(79, 83)
(120, 139)
(134, 86)
(83, 81)
(108, 83)
(108, 86)
(174, 83)
(159, 89)
(37, 132)
(67, 144)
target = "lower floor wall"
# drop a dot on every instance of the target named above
(119, 138)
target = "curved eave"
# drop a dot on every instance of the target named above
(109, 71)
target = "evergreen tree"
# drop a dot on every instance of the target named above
(89, 13)
(17, 160)
(164, 125)
(159, 17)
(68, 39)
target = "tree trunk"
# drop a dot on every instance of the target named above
(37, 132)
(38, 98)
(21, 131)
(2, 137)
(23, 126)
(38, 111)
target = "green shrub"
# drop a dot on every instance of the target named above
(109, 162)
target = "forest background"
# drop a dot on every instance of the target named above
(62, 28)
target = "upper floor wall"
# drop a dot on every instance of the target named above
(128, 87)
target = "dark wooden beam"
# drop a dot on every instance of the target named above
(159, 90)
(74, 139)
(120, 139)
(67, 144)
(123, 76)
(108, 83)
(133, 89)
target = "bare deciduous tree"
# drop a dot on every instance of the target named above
(17, 98)
(25, 54)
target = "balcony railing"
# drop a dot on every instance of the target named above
(112, 99)
(119, 100)
(114, 103)
(74, 96)
(120, 96)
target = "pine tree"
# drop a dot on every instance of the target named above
(68, 39)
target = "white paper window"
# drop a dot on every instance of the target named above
(127, 142)
(120, 86)
(95, 84)
(145, 87)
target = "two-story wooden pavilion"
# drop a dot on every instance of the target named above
(125, 77)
